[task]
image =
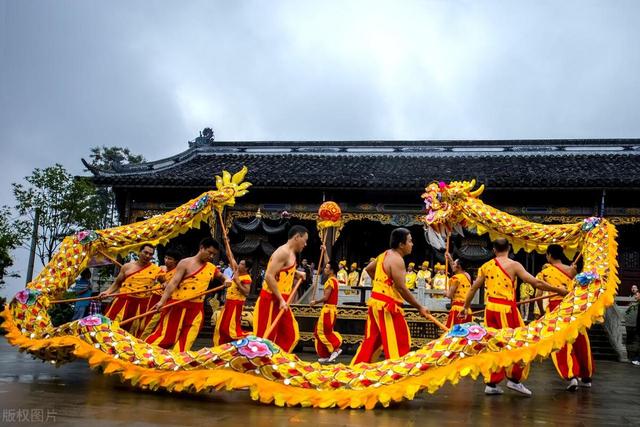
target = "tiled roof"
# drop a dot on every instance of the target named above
(397, 164)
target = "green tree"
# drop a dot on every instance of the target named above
(66, 205)
(12, 233)
(109, 158)
(112, 157)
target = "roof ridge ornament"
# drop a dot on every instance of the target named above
(206, 138)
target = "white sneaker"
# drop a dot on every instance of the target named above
(323, 360)
(636, 362)
(585, 384)
(519, 387)
(488, 390)
(573, 384)
(334, 355)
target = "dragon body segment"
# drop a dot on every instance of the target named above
(273, 376)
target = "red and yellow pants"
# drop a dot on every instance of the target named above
(454, 319)
(178, 326)
(386, 329)
(152, 319)
(574, 360)
(126, 307)
(286, 334)
(501, 314)
(228, 327)
(326, 339)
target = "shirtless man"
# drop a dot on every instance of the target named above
(277, 286)
(386, 327)
(179, 325)
(137, 278)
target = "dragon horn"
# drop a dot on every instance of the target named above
(239, 176)
(477, 192)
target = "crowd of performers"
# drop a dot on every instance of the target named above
(179, 284)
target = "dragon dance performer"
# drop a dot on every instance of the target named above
(386, 326)
(327, 340)
(228, 327)
(171, 259)
(499, 277)
(572, 361)
(354, 276)
(278, 284)
(134, 276)
(459, 285)
(178, 326)
(411, 277)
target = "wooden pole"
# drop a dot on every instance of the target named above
(527, 301)
(140, 316)
(576, 259)
(227, 245)
(314, 288)
(437, 322)
(446, 264)
(446, 252)
(110, 259)
(60, 301)
(281, 312)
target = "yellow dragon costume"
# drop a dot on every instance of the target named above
(276, 377)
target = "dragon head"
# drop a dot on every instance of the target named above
(443, 204)
(228, 188)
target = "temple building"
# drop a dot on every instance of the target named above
(378, 186)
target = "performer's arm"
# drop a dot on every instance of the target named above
(181, 270)
(227, 247)
(278, 262)
(224, 279)
(477, 284)
(538, 293)
(325, 296)
(116, 283)
(453, 284)
(448, 256)
(398, 274)
(537, 283)
(301, 274)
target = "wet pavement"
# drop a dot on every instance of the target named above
(33, 392)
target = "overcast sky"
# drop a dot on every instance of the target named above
(149, 75)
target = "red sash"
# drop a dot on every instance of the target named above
(392, 305)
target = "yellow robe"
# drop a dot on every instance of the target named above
(353, 278)
(410, 280)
